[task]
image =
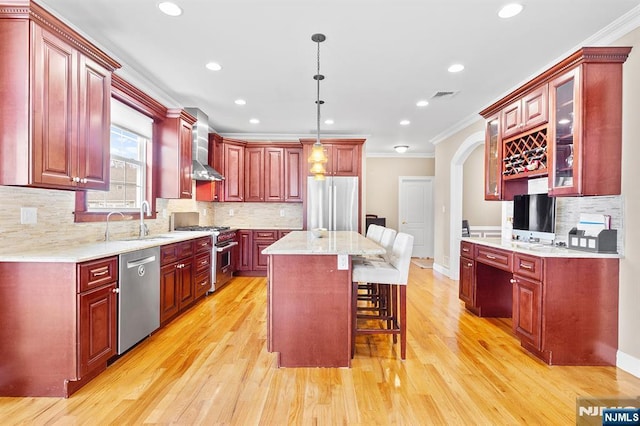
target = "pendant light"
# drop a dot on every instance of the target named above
(318, 158)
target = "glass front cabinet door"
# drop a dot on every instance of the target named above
(564, 176)
(493, 160)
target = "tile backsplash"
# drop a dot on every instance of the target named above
(568, 210)
(55, 218)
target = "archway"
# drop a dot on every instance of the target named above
(455, 197)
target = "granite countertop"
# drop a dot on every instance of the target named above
(536, 249)
(89, 251)
(336, 242)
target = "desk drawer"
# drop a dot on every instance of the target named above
(466, 249)
(528, 266)
(501, 259)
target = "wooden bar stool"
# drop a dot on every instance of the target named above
(392, 276)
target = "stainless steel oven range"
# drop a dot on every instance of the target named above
(224, 244)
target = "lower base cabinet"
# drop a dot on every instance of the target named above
(564, 310)
(250, 260)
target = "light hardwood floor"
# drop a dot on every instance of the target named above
(210, 366)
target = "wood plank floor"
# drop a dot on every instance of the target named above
(210, 366)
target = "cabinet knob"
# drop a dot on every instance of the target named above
(469, 265)
(116, 290)
(84, 180)
(75, 179)
(513, 281)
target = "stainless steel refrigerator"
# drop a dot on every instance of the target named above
(333, 203)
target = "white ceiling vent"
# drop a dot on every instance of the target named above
(444, 95)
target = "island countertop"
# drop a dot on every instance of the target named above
(335, 242)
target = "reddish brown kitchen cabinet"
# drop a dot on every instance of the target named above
(66, 335)
(527, 311)
(233, 170)
(245, 249)
(565, 124)
(254, 174)
(177, 289)
(176, 155)
(274, 174)
(97, 313)
(526, 113)
(467, 288)
(202, 261)
(293, 174)
(55, 114)
(344, 156)
(261, 240)
(586, 131)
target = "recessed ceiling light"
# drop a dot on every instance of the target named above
(455, 68)
(254, 121)
(169, 8)
(405, 122)
(422, 103)
(401, 149)
(213, 66)
(240, 102)
(510, 10)
(329, 121)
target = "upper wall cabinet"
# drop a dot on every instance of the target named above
(55, 106)
(175, 155)
(565, 124)
(344, 156)
(256, 171)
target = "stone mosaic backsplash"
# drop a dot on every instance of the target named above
(56, 227)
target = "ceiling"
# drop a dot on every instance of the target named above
(380, 57)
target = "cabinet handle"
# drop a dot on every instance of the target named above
(513, 281)
(491, 257)
(102, 272)
(526, 266)
(84, 180)
(469, 265)
(115, 290)
(75, 179)
(466, 250)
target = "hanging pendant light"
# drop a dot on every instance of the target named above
(318, 158)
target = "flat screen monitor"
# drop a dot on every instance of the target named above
(534, 217)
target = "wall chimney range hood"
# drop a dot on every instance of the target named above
(201, 168)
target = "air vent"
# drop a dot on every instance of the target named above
(440, 95)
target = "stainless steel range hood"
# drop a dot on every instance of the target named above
(201, 168)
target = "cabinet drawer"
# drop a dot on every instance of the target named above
(203, 283)
(466, 249)
(492, 256)
(265, 235)
(528, 266)
(173, 252)
(203, 244)
(96, 273)
(203, 262)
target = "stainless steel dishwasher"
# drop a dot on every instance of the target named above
(139, 300)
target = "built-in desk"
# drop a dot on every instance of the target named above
(309, 297)
(563, 303)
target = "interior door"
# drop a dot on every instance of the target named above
(416, 212)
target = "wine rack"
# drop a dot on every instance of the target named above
(525, 156)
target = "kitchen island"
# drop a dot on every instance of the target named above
(309, 297)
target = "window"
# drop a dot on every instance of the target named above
(128, 173)
(133, 119)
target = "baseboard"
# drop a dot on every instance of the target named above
(628, 363)
(441, 269)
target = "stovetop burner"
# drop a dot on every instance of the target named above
(203, 228)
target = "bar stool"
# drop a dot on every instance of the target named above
(372, 291)
(393, 276)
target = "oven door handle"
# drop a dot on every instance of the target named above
(227, 246)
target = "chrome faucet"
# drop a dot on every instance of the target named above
(106, 231)
(144, 207)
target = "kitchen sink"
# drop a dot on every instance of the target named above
(149, 238)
